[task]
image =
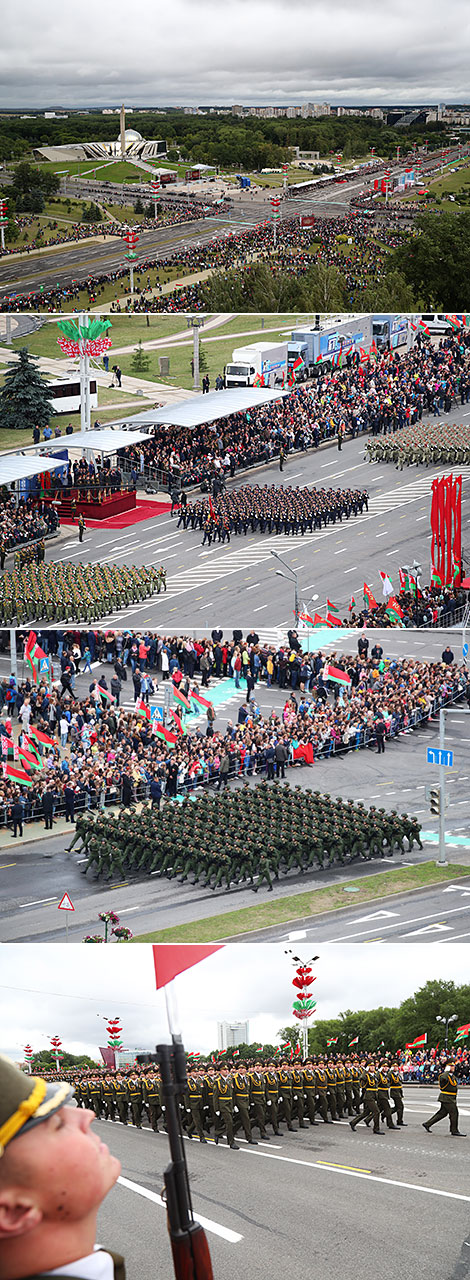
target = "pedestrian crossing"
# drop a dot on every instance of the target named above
(402, 495)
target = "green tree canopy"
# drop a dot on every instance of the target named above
(25, 398)
(436, 263)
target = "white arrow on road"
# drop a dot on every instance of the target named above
(377, 915)
(431, 928)
(456, 888)
(296, 937)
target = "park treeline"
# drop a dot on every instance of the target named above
(225, 140)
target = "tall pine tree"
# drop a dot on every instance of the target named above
(25, 398)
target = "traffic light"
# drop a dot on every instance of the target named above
(435, 796)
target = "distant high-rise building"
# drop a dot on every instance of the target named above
(229, 1034)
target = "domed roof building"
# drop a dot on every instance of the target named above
(129, 145)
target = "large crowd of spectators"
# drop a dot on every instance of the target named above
(104, 752)
(26, 521)
(46, 233)
(298, 248)
(372, 396)
(424, 1067)
(428, 606)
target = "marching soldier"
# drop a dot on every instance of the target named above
(448, 1099)
(223, 1107)
(332, 1080)
(135, 1098)
(298, 1104)
(285, 1094)
(109, 1097)
(396, 1094)
(271, 1082)
(348, 1087)
(151, 1093)
(383, 1101)
(321, 1084)
(195, 1104)
(241, 1097)
(96, 1097)
(258, 1095)
(369, 1103)
(310, 1089)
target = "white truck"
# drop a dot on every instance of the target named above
(260, 360)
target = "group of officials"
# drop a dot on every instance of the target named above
(223, 1099)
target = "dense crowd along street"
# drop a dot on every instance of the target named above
(296, 254)
(98, 753)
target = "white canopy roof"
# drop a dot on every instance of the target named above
(18, 466)
(209, 408)
(105, 441)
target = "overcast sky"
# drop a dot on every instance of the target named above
(68, 990)
(247, 51)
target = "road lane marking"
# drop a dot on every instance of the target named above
(395, 925)
(39, 903)
(366, 1177)
(233, 1237)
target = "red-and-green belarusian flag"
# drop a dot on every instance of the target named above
(351, 1042)
(369, 599)
(421, 323)
(199, 698)
(298, 363)
(165, 734)
(333, 620)
(141, 709)
(335, 674)
(28, 759)
(352, 604)
(331, 606)
(315, 622)
(419, 1043)
(181, 697)
(332, 1040)
(33, 654)
(17, 775)
(108, 697)
(462, 1032)
(181, 728)
(42, 737)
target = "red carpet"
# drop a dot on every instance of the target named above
(143, 511)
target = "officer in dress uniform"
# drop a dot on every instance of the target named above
(49, 1157)
(241, 1097)
(369, 1098)
(396, 1094)
(448, 1099)
(223, 1107)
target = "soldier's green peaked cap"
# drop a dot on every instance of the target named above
(26, 1100)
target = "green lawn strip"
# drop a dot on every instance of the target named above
(300, 906)
(124, 331)
(216, 355)
(105, 170)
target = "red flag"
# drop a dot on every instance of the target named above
(369, 599)
(304, 751)
(42, 737)
(199, 698)
(171, 960)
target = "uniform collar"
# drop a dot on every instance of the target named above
(98, 1265)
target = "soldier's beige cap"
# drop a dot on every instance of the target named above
(26, 1101)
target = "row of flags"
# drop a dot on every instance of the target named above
(408, 582)
(419, 1043)
(26, 758)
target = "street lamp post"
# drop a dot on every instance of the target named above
(447, 1022)
(195, 323)
(293, 578)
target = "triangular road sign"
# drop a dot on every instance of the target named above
(66, 904)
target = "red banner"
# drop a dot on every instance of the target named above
(446, 530)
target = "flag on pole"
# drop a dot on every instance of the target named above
(352, 604)
(351, 1042)
(333, 620)
(42, 737)
(462, 1032)
(171, 960)
(335, 674)
(418, 1043)
(199, 698)
(369, 599)
(387, 587)
(108, 697)
(181, 697)
(331, 606)
(332, 1040)
(17, 775)
(141, 709)
(181, 728)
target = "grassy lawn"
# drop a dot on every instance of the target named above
(299, 906)
(105, 171)
(106, 396)
(127, 331)
(216, 354)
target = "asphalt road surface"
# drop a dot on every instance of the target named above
(225, 583)
(23, 275)
(35, 873)
(334, 1203)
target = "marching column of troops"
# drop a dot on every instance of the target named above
(252, 834)
(74, 593)
(423, 445)
(219, 1101)
(271, 509)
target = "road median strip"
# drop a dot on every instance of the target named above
(301, 906)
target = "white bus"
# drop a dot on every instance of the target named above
(65, 396)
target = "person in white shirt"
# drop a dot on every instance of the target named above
(54, 1174)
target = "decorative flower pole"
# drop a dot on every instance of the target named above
(114, 1031)
(303, 1007)
(83, 338)
(56, 1048)
(28, 1053)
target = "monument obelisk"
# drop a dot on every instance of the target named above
(123, 130)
